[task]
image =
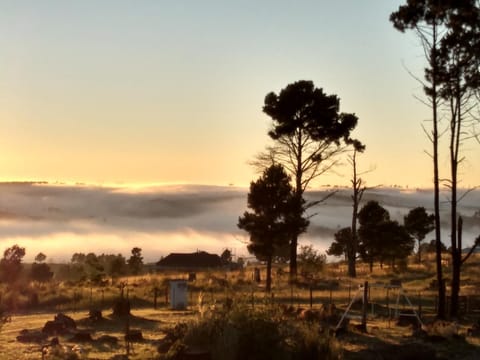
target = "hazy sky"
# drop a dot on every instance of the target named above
(171, 91)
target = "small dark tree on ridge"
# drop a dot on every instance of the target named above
(418, 224)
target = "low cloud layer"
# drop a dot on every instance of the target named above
(61, 220)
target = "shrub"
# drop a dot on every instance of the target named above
(243, 333)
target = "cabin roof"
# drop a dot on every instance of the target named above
(200, 259)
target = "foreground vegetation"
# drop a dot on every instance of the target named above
(227, 309)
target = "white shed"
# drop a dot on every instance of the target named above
(178, 294)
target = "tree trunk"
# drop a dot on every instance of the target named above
(456, 271)
(352, 271)
(357, 194)
(293, 258)
(419, 252)
(299, 210)
(268, 286)
(435, 135)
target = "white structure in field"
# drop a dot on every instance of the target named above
(178, 294)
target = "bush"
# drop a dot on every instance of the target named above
(248, 334)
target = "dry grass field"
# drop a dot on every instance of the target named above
(383, 339)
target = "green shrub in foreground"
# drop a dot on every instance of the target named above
(248, 334)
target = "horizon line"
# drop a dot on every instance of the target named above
(159, 184)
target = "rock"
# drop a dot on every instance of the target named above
(61, 325)
(67, 321)
(27, 336)
(54, 328)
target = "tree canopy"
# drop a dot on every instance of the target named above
(135, 262)
(11, 263)
(381, 239)
(340, 244)
(271, 201)
(418, 224)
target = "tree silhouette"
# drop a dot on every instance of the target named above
(40, 271)
(341, 243)
(459, 80)
(11, 264)
(418, 224)
(135, 262)
(226, 256)
(371, 218)
(41, 257)
(272, 202)
(358, 186)
(396, 242)
(426, 17)
(309, 133)
(450, 33)
(382, 239)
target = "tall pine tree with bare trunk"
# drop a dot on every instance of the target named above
(359, 188)
(450, 33)
(309, 133)
(459, 81)
(426, 17)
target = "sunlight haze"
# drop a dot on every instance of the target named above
(157, 91)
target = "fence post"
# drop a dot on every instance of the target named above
(311, 296)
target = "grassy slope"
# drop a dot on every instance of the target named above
(381, 332)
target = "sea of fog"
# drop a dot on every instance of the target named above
(60, 220)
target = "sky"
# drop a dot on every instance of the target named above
(167, 92)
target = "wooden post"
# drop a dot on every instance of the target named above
(311, 296)
(349, 292)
